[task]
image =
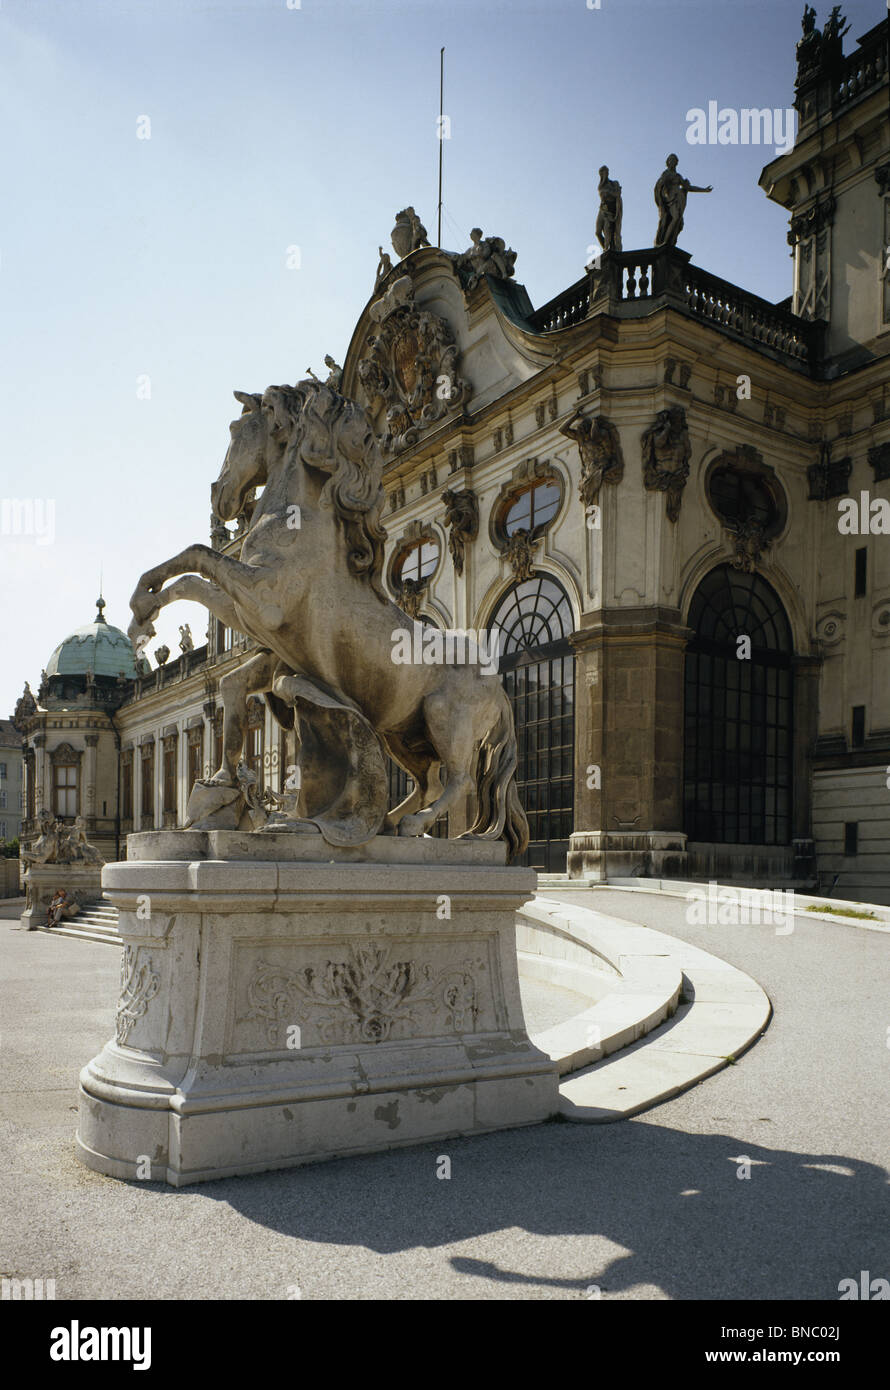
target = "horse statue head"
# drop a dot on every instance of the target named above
(313, 426)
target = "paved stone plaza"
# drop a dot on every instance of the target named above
(648, 1208)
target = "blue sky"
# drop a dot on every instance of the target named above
(123, 258)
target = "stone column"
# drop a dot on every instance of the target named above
(629, 745)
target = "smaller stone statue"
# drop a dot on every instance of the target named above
(161, 655)
(185, 638)
(26, 705)
(833, 33)
(486, 256)
(670, 199)
(78, 845)
(462, 517)
(409, 233)
(608, 220)
(335, 373)
(384, 266)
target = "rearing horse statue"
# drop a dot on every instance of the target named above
(308, 591)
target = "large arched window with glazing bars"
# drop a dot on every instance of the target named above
(533, 621)
(739, 699)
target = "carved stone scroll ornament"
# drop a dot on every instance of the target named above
(600, 449)
(139, 985)
(520, 554)
(462, 516)
(750, 542)
(666, 454)
(409, 596)
(410, 368)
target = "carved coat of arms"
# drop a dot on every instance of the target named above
(409, 372)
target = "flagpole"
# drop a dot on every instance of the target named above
(441, 141)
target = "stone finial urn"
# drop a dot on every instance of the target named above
(402, 236)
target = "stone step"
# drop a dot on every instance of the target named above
(88, 933)
(96, 921)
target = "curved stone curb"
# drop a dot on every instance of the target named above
(644, 991)
(677, 888)
(723, 1013)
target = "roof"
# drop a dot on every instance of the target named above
(97, 647)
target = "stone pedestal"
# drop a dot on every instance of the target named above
(283, 1002)
(600, 855)
(83, 882)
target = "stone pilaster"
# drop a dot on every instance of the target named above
(89, 781)
(629, 744)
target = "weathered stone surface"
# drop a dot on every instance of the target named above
(276, 1013)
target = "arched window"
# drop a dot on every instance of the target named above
(534, 619)
(533, 509)
(738, 712)
(416, 562)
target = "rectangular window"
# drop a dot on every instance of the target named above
(170, 776)
(217, 742)
(858, 727)
(2, 801)
(2, 769)
(255, 753)
(3, 830)
(861, 572)
(127, 787)
(65, 789)
(148, 785)
(851, 837)
(196, 756)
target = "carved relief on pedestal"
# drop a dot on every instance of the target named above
(462, 517)
(666, 454)
(409, 372)
(139, 985)
(600, 450)
(366, 997)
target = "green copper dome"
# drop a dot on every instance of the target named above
(98, 647)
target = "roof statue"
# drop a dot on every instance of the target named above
(486, 256)
(312, 599)
(409, 233)
(611, 211)
(670, 199)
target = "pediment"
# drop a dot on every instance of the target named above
(427, 349)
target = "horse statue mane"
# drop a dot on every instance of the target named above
(331, 432)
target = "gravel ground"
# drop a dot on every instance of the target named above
(651, 1208)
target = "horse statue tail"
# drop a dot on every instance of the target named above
(499, 811)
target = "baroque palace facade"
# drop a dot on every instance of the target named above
(638, 485)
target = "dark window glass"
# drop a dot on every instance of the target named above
(535, 507)
(851, 837)
(738, 725)
(861, 572)
(418, 562)
(858, 726)
(534, 619)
